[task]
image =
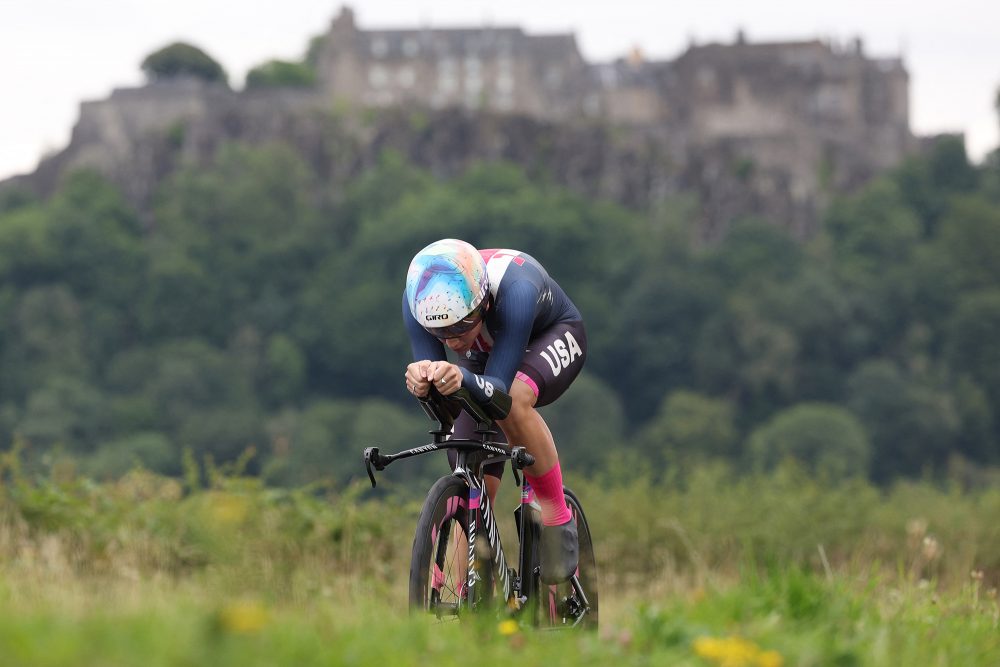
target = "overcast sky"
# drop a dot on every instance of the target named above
(55, 54)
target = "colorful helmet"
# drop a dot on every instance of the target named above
(446, 287)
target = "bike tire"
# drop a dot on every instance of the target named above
(550, 607)
(439, 559)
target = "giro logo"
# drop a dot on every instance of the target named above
(431, 318)
(560, 355)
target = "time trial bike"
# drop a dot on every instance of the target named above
(453, 569)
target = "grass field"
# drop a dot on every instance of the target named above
(721, 570)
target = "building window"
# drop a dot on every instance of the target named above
(380, 47)
(473, 76)
(377, 76)
(411, 47)
(706, 80)
(406, 77)
(505, 83)
(447, 77)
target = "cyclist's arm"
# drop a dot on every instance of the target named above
(423, 345)
(515, 317)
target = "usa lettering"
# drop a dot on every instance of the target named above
(560, 355)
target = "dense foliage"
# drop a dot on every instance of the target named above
(181, 59)
(281, 74)
(254, 308)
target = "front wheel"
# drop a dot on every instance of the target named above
(440, 560)
(566, 604)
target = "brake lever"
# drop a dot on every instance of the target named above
(372, 457)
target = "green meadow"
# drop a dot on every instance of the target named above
(715, 569)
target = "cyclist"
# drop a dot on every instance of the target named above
(511, 327)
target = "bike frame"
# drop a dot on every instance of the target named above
(470, 472)
(479, 500)
(469, 468)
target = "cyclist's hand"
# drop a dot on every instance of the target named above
(417, 374)
(445, 376)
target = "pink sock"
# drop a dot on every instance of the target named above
(549, 490)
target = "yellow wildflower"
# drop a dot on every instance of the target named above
(243, 617)
(735, 652)
(770, 659)
(508, 627)
(228, 508)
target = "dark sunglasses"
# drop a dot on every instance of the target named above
(463, 326)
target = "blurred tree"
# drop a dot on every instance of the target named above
(14, 197)
(874, 230)
(303, 444)
(281, 74)
(182, 60)
(181, 298)
(98, 238)
(825, 438)
(979, 439)
(236, 234)
(224, 431)
(588, 424)
(876, 241)
(27, 257)
(66, 412)
(970, 237)
(46, 339)
(927, 185)
(193, 393)
(973, 344)
(149, 450)
(283, 373)
(253, 291)
(817, 310)
(325, 441)
(655, 332)
(690, 428)
(755, 253)
(749, 357)
(913, 426)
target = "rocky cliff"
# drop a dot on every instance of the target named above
(137, 137)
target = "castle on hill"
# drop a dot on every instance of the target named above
(753, 129)
(792, 100)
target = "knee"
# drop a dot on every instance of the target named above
(522, 405)
(522, 399)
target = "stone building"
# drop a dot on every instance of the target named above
(711, 92)
(496, 68)
(768, 130)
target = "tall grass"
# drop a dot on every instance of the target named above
(716, 523)
(697, 570)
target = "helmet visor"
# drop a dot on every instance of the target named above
(462, 327)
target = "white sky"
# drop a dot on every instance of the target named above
(55, 54)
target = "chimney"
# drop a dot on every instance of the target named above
(344, 23)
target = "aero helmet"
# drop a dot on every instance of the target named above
(446, 287)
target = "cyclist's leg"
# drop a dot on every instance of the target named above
(554, 360)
